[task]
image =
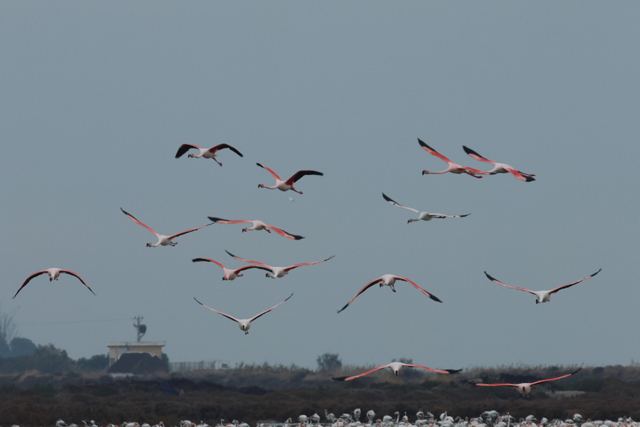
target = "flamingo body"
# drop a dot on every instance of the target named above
(162, 239)
(206, 153)
(53, 274)
(424, 216)
(257, 225)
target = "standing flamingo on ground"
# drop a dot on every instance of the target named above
(53, 273)
(278, 271)
(228, 273)
(452, 167)
(244, 324)
(288, 184)
(207, 153)
(396, 368)
(500, 167)
(425, 216)
(525, 388)
(162, 239)
(542, 296)
(257, 225)
(389, 280)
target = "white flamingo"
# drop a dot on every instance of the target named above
(244, 324)
(396, 368)
(500, 167)
(542, 296)
(257, 225)
(451, 167)
(424, 216)
(207, 153)
(389, 280)
(288, 184)
(162, 239)
(53, 273)
(230, 274)
(277, 271)
(525, 388)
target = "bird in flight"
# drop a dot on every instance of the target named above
(525, 388)
(278, 271)
(451, 167)
(500, 167)
(424, 216)
(396, 368)
(389, 280)
(288, 184)
(244, 324)
(257, 225)
(53, 273)
(230, 274)
(542, 296)
(162, 239)
(207, 153)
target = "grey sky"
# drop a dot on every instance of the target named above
(98, 96)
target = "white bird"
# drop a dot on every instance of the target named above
(396, 368)
(288, 184)
(162, 239)
(244, 324)
(207, 153)
(257, 225)
(277, 271)
(500, 167)
(451, 167)
(230, 274)
(542, 296)
(525, 388)
(425, 216)
(389, 280)
(53, 273)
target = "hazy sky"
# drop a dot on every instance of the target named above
(96, 98)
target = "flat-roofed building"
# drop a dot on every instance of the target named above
(116, 349)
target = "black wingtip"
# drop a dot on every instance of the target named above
(289, 296)
(342, 309)
(453, 371)
(297, 237)
(576, 371)
(339, 378)
(215, 219)
(422, 143)
(198, 301)
(259, 165)
(489, 276)
(470, 151)
(435, 298)
(230, 253)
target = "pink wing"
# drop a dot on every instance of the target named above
(184, 148)
(138, 222)
(367, 286)
(433, 297)
(268, 310)
(476, 156)
(555, 379)
(573, 283)
(428, 369)
(475, 171)
(496, 385)
(284, 233)
(273, 174)
(251, 262)
(219, 312)
(187, 231)
(226, 221)
(432, 151)
(291, 267)
(75, 275)
(36, 274)
(507, 286)
(359, 375)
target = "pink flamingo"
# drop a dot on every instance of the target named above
(396, 368)
(525, 388)
(207, 153)
(500, 167)
(452, 167)
(288, 184)
(278, 271)
(257, 225)
(389, 280)
(228, 273)
(162, 239)
(53, 273)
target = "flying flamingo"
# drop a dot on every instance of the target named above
(228, 273)
(452, 167)
(389, 280)
(396, 368)
(244, 324)
(278, 271)
(257, 225)
(500, 167)
(288, 184)
(425, 216)
(542, 296)
(207, 153)
(162, 239)
(525, 388)
(53, 273)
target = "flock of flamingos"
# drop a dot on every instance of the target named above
(389, 280)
